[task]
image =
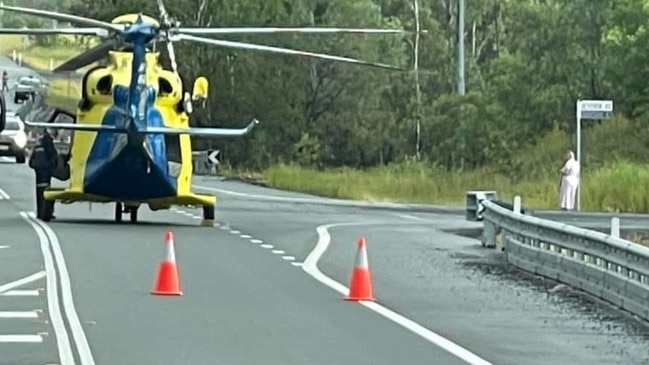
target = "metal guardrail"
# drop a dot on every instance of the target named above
(606, 266)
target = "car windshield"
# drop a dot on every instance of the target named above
(12, 125)
(29, 81)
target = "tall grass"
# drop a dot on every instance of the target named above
(620, 186)
(614, 175)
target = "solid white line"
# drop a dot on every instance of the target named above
(408, 216)
(20, 293)
(311, 267)
(4, 195)
(16, 314)
(20, 338)
(62, 341)
(75, 325)
(23, 281)
(316, 200)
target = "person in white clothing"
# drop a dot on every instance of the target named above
(569, 182)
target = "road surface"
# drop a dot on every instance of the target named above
(266, 286)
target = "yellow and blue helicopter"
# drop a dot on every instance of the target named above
(130, 142)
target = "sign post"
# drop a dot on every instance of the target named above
(592, 110)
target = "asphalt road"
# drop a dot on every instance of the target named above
(267, 286)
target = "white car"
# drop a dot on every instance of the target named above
(13, 139)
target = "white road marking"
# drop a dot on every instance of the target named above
(21, 293)
(316, 200)
(235, 232)
(20, 338)
(298, 264)
(311, 267)
(267, 246)
(62, 341)
(77, 331)
(408, 216)
(278, 252)
(4, 195)
(288, 258)
(23, 281)
(254, 240)
(4, 246)
(17, 314)
(245, 236)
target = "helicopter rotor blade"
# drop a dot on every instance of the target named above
(258, 47)
(51, 31)
(247, 30)
(167, 23)
(62, 17)
(92, 55)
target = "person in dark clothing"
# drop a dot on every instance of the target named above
(43, 161)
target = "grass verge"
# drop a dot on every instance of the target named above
(605, 189)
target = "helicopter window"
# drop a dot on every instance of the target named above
(172, 144)
(164, 86)
(104, 85)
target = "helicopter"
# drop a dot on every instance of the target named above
(130, 142)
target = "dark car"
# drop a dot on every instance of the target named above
(13, 139)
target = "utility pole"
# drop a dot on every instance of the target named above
(416, 56)
(460, 48)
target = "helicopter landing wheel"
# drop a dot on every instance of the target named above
(208, 216)
(133, 213)
(119, 209)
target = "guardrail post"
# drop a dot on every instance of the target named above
(488, 234)
(615, 227)
(517, 204)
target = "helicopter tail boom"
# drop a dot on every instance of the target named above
(193, 131)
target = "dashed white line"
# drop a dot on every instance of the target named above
(265, 245)
(254, 240)
(4, 195)
(245, 236)
(19, 314)
(311, 267)
(288, 258)
(278, 252)
(20, 338)
(299, 264)
(235, 232)
(4, 246)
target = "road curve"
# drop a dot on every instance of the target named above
(267, 286)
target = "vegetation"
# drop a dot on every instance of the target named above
(348, 131)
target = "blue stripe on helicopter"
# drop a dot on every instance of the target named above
(119, 171)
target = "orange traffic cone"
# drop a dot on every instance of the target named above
(360, 287)
(167, 282)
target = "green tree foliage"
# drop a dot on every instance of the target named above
(527, 62)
